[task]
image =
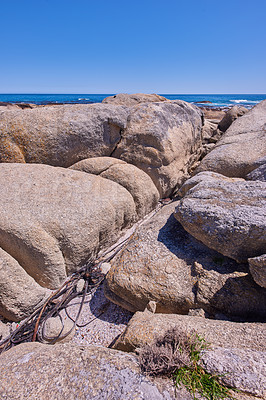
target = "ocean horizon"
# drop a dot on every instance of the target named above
(209, 100)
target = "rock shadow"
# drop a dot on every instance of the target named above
(186, 247)
(105, 310)
(240, 297)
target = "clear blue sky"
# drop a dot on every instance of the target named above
(111, 46)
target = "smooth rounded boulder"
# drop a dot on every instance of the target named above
(137, 182)
(130, 100)
(53, 220)
(242, 148)
(226, 214)
(231, 116)
(162, 139)
(60, 135)
(20, 294)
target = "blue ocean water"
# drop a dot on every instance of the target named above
(216, 100)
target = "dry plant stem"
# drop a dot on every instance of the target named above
(43, 308)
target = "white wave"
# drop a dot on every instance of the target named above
(239, 101)
(81, 98)
(244, 101)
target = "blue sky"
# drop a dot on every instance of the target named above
(111, 46)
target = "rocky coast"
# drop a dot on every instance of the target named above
(154, 213)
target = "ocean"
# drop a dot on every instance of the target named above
(216, 100)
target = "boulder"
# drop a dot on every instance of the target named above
(257, 267)
(214, 114)
(52, 221)
(162, 139)
(235, 349)
(60, 135)
(258, 174)
(164, 264)
(20, 295)
(227, 215)
(96, 165)
(241, 148)
(231, 116)
(67, 371)
(131, 100)
(136, 181)
(240, 368)
(145, 327)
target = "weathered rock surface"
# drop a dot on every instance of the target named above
(258, 174)
(4, 330)
(164, 264)
(231, 116)
(237, 349)
(241, 369)
(145, 327)
(257, 267)
(227, 215)
(209, 129)
(52, 221)
(130, 100)
(57, 329)
(19, 293)
(60, 135)
(67, 371)
(137, 182)
(161, 139)
(241, 148)
(215, 114)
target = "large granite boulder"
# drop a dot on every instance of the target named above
(162, 139)
(60, 135)
(66, 371)
(145, 327)
(226, 214)
(19, 293)
(164, 264)
(241, 148)
(130, 100)
(237, 350)
(231, 116)
(52, 220)
(239, 368)
(136, 181)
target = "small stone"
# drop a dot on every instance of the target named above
(105, 267)
(197, 312)
(53, 328)
(151, 307)
(80, 285)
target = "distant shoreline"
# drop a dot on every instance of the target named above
(32, 105)
(210, 101)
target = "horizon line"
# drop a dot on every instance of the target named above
(112, 94)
